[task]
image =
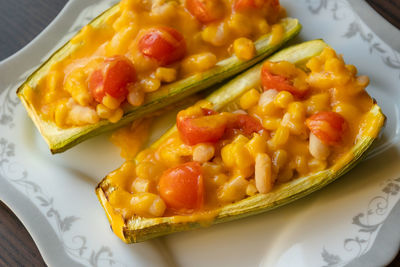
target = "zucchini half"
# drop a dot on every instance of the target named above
(61, 139)
(139, 229)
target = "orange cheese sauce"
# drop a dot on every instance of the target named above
(64, 97)
(240, 165)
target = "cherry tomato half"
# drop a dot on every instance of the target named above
(181, 187)
(208, 126)
(201, 129)
(328, 126)
(164, 44)
(205, 11)
(112, 78)
(247, 124)
(279, 83)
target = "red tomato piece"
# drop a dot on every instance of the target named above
(202, 129)
(205, 11)
(164, 44)
(328, 126)
(279, 83)
(181, 187)
(241, 5)
(247, 124)
(112, 78)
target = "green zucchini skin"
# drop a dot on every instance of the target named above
(140, 229)
(61, 139)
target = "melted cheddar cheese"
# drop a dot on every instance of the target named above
(242, 163)
(64, 97)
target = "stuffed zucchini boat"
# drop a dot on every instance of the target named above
(277, 132)
(140, 56)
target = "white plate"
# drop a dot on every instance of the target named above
(54, 195)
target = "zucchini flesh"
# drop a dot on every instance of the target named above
(138, 229)
(61, 139)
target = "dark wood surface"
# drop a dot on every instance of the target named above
(20, 22)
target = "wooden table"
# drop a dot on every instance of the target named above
(20, 22)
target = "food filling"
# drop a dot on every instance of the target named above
(294, 123)
(144, 45)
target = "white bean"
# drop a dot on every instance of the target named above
(263, 173)
(318, 149)
(267, 97)
(203, 152)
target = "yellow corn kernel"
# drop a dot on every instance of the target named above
(140, 185)
(148, 170)
(239, 24)
(294, 119)
(227, 155)
(173, 153)
(136, 97)
(121, 40)
(123, 176)
(334, 65)
(53, 81)
(240, 139)
(280, 138)
(352, 69)
(233, 190)
(297, 110)
(327, 53)
(263, 26)
(279, 159)
(271, 124)
(60, 114)
(150, 84)
(251, 189)
(164, 11)
(244, 48)
(245, 172)
(147, 205)
(169, 156)
(116, 116)
(217, 35)
(317, 103)
(257, 144)
(86, 33)
(283, 99)
(266, 102)
(203, 152)
(145, 154)
(75, 84)
(103, 111)
(314, 64)
(110, 102)
(235, 155)
(166, 74)
(126, 17)
(263, 173)
(249, 99)
(277, 33)
(198, 62)
(301, 165)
